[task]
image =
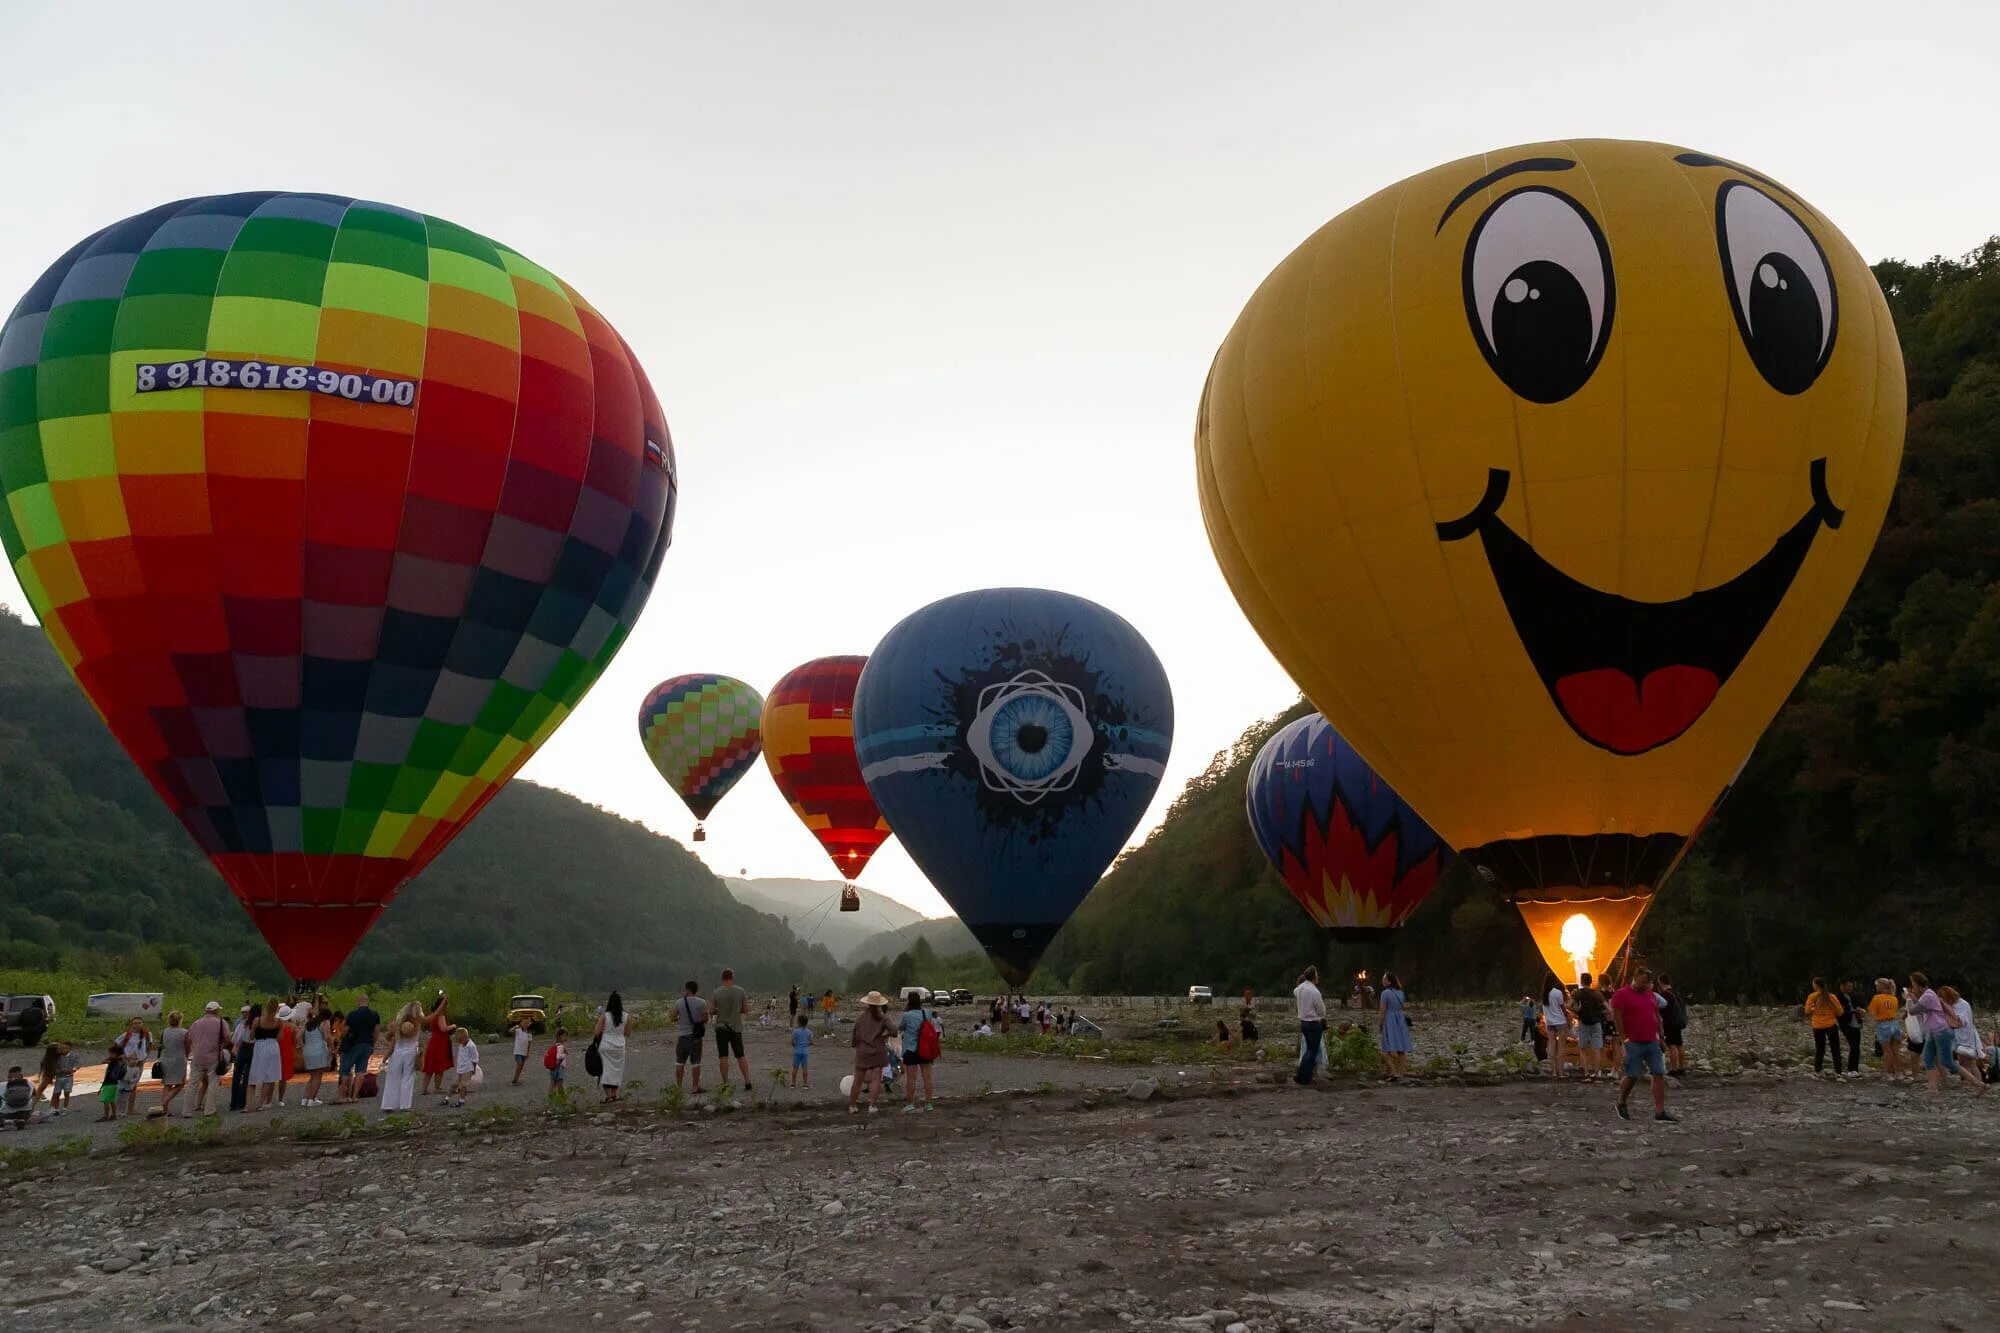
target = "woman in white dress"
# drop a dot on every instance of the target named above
(399, 1071)
(267, 1066)
(612, 1029)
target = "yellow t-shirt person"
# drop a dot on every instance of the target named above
(1883, 1008)
(1823, 1008)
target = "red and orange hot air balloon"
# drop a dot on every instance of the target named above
(809, 744)
(335, 510)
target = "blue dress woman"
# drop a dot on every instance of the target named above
(1394, 1026)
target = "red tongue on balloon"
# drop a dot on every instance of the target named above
(1627, 716)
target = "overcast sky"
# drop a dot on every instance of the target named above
(928, 291)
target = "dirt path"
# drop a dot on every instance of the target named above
(1777, 1203)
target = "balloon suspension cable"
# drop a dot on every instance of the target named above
(825, 914)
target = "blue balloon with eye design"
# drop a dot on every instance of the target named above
(1013, 738)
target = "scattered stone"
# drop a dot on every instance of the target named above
(1144, 1089)
(834, 1209)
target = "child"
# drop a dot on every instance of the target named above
(802, 1044)
(65, 1078)
(17, 1100)
(524, 1037)
(554, 1060)
(464, 1064)
(114, 1074)
(45, 1078)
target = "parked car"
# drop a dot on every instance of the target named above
(903, 995)
(1200, 995)
(942, 996)
(534, 1008)
(26, 1017)
(960, 995)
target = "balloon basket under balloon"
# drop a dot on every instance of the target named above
(850, 898)
(700, 833)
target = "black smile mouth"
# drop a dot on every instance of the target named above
(1630, 676)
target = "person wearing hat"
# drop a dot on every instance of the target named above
(206, 1037)
(871, 1037)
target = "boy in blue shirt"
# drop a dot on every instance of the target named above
(802, 1044)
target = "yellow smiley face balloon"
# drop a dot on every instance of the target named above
(1545, 473)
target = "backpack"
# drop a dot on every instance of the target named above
(549, 1057)
(1589, 1005)
(928, 1045)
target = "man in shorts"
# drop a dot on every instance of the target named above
(356, 1046)
(728, 1004)
(1588, 1004)
(1638, 1015)
(691, 1013)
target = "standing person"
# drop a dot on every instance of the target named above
(1393, 1026)
(1587, 1003)
(612, 1029)
(792, 1006)
(243, 1038)
(465, 1075)
(173, 1062)
(727, 1006)
(524, 1040)
(1850, 1028)
(437, 1047)
(1556, 1015)
(357, 1046)
(1937, 1022)
(802, 1044)
(1312, 1024)
(289, 1016)
(51, 1069)
(1886, 1010)
(1673, 1025)
(114, 1074)
(920, 1050)
(65, 1076)
(1527, 1018)
(870, 1041)
(399, 1071)
(1638, 1016)
(1823, 1009)
(1966, 1046)
(556, 1061)
(266, 1066)
(136, 1045)
(316, 1050)
(827, 1003)
(692, 1016)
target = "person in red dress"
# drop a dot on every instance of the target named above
(437, 1050)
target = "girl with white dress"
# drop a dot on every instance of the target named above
(612, 1029)
(399, 1071)
(267, 1066)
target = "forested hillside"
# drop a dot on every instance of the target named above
(541, 884)
(1863, 837)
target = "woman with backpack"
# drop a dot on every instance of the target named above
(1673, 1025)
(921, 1048)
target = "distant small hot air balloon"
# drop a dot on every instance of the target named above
(809, 746)
(335, 510)
(702, 733)
(1352, 852)
(1014, 737)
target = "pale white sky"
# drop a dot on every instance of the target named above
(929, 291)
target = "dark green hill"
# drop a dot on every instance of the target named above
(1863, 838)
(540, 884)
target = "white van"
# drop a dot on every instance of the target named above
(903, 995)
(125, 1004)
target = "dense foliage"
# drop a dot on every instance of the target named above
(96, 876)
(1863, 837)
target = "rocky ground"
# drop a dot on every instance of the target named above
(1050, 1193)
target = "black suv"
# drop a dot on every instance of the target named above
(25, 1017)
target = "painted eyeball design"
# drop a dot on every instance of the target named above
(1779, 286)
(1030, 736)
(1539, 292)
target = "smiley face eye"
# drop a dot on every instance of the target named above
(1539, 292)
(1779, 286)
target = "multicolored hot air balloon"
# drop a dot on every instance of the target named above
(809, 745)
(335, 510)
(1351, 851)
(1545, 473)
(702, 733)
(1014, 737)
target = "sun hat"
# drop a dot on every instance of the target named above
(874, 997)
(212, 1007)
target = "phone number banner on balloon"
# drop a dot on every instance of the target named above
(210, 372)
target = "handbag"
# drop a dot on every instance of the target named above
(157, 1076)
(221, 1066)
(593, 1063)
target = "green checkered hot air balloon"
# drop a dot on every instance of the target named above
(701, 732)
